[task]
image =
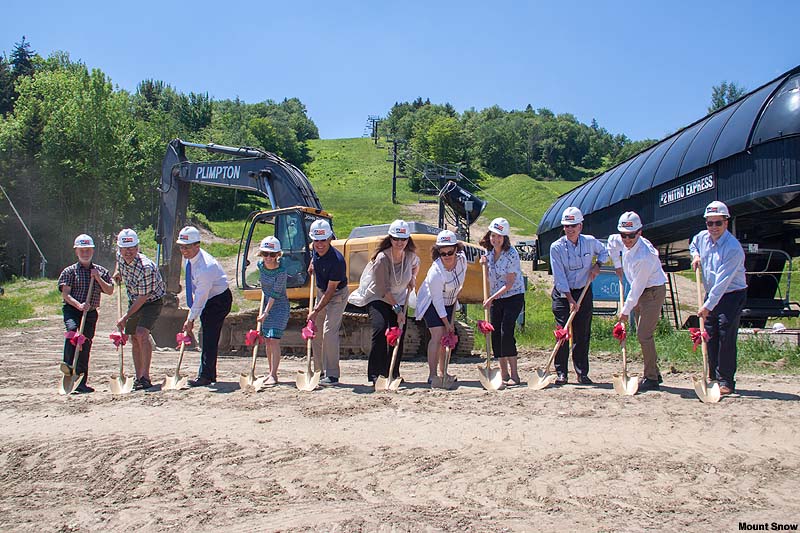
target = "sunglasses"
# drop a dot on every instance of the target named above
(186, 246)
(629, 235)
(712, 223)
(447, 254)
(399, 239)
(270, 254)
(569, 226)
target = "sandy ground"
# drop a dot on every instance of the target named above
(348, 459)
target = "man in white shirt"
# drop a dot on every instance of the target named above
(638, 259)
(207, 296)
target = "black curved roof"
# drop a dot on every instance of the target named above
(772, 111)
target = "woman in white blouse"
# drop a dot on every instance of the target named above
(438, 296)
(507, 290)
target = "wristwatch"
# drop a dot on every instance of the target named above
(397, 308)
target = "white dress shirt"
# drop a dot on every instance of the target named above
(208, 280)
(641, 266)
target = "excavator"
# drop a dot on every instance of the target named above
(294, 206)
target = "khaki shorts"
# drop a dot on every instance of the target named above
(145, 317)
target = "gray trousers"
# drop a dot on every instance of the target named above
(648, 313)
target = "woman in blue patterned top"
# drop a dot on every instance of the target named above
(275, 314)
(507, 296)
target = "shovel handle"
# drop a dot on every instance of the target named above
(623, 343)
(79, 347)
(396, 349)
(485, 272)
(312, 282)
(258, 328)
(703, 346)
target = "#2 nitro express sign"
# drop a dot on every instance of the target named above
(696, 186)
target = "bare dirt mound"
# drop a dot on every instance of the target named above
(347, 459)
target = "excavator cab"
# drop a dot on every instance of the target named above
(290, 226)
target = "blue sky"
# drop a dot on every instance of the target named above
(644, 69)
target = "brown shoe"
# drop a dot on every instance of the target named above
(725, 390)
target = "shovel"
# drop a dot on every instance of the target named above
(490, 378)
(306, 380)
(542, 378)
(70, 381)
(383, 383)
(708, 392)
(249, 380)
(623, 383)
(176, 381)
(444, 381)
(120, 384)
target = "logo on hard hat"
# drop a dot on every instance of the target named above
(319, 231)
(446, 238)
(569, 217)
(627, 224)
(184, 237)
(126, 239)
(400, 230)
(712, 209)
(270, 245)
(83, 242)
(500, 227)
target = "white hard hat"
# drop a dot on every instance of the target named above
(629, 222)
(269, 244)
(320, 230)
(188, 235)
(83, 241)
(446, 238)
(499, 226)
(571, 216)
(717, 208)
(399, 229)
(127, 238)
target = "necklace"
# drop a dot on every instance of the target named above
(397, 277)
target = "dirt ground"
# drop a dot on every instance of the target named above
(348, 459)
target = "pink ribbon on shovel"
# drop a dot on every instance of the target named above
(561, 333)
(183, 338)
(449, 340)
(310, 331)
(74, 338)
(697, 337)
(119, 339)
(619, 331)
(393, 335)
(485, 327)
(252, 337)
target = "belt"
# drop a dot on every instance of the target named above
(654, 287)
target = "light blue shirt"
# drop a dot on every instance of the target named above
(571, 263)
(723, 265)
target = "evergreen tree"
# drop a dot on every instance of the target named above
(22, 59)
(6, 87)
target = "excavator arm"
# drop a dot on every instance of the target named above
(248, 169)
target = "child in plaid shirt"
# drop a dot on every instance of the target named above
(73, 282)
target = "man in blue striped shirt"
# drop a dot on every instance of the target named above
(721, 258)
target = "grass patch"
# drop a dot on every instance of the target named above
(221, 249)
(26, 299)
(525, 195)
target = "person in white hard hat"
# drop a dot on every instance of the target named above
(384, 282)
(275, 314)
(636, 258)
(507, 296)
(438, 296)
(73, 283)
(207, 297)
(330, 270)
(720, 256)
(575, 260)
(145, 289)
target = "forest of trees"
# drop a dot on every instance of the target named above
(80, 155)
(535, 142)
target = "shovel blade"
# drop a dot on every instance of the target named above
(708, 393)
(625, 385)
(494, 380)
(65, 368)
(381, 384)
(121, 384)
(307, 382)
(250, 382)
(176, 382)
(69, 384)
(394, 385)
(541, 379)
(443, 382)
